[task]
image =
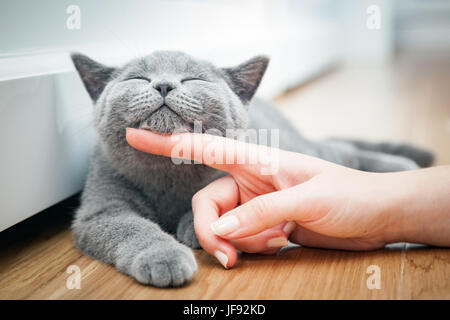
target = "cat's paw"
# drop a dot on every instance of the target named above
(167, 266)
(186, 232)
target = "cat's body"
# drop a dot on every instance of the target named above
(135, 206)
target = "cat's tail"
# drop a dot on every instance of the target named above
(422, 157)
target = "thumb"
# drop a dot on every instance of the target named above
(261, 213)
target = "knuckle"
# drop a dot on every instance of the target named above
(202, 239)
(260, 208)
(198, 196)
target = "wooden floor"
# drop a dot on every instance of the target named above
(405, 101)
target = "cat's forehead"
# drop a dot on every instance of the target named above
(169, 62)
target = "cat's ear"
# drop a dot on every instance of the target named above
(244, 79)
(95, 75)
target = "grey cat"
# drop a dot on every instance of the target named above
(136, 208)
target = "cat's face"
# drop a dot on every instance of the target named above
(167, 91)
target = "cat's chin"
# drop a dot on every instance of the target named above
(165, 121)
(167, 129)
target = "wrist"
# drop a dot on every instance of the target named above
(417, 206)
(399, 216)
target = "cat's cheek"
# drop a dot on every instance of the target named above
(123, 92)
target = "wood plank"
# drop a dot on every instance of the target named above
(426, 274)
(297, 273)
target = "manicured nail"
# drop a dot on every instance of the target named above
(222, 257)
(128, 130)
(277, 242)
(225, 225)
(289, 227)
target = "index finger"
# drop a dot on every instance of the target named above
(217, 152)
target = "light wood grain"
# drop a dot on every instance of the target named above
(427, 273)
(301, 273)
(404, 101)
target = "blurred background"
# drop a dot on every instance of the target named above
(374, 70)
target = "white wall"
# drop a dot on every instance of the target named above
(358, 42)
(300, 36)
(423, 26)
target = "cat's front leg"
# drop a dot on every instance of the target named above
(186, 232)
(115, 234)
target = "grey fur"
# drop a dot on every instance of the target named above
(423, 158)
(136, 207)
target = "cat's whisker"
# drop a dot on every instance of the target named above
(192, 107)
(189, 99)
(139, 98)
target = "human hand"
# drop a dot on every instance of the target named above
(332, 206)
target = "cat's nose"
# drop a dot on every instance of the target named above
(163, 88)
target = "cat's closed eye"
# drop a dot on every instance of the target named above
(192, 79)
(138, 78)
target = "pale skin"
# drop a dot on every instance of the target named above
(307, 201)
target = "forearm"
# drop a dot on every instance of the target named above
(419, 206)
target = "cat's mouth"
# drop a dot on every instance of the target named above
(165, 120)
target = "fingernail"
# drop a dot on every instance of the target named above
(277, 242)
(222, 257)
(128, 130)
(225, 225)
(289, 227)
